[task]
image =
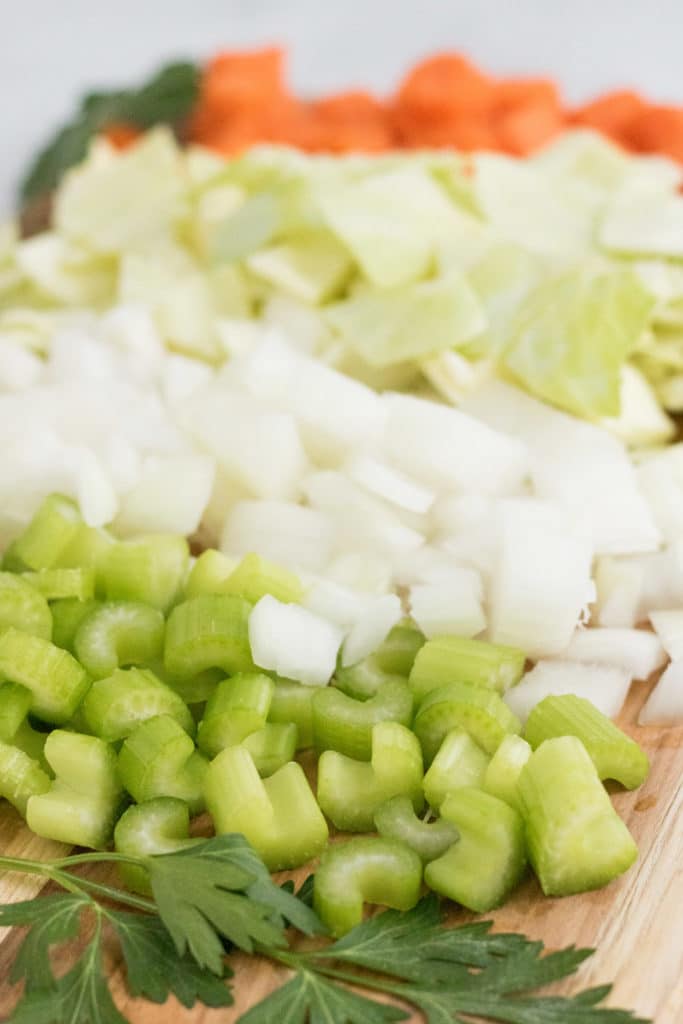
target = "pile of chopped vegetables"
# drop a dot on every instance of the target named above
(343, 455)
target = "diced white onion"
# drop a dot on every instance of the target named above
(170, 496)
(371, 630)
(298, 537)
(638, 652)
(292, 641)
(665, 704)
(668, 625)
(451, 606)
(336, 603)
(619, 588)
(604, 685)
(388, 483)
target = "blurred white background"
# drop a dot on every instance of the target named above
(52, 50)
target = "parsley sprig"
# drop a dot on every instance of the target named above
(217, 895)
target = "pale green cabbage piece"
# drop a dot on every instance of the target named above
(645, 222)
(65, 272)
(311, 268)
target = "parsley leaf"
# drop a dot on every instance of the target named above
(52, 919)
(310, 997)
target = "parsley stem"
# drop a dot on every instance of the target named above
(26, 867)
(119, 895)
(97, 857)
(300, 962)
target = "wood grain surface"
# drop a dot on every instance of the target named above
(636, 923)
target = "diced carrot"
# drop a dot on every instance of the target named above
(465, 132)
(121, 134)
(445, 82)
(233, 81)
(515, 92)
(348, 122)
(610, 114)
(658, 129)
(527, 127)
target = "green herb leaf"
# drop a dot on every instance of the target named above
(51, 920)
(309, 997)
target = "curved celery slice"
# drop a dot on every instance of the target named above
(88, 549)
(476, 709)
(159, 759)
(80, 806)
(489, 858)
(344, 724)
(115, 706)
(119, 633)
(457, 659)
(279, 815)
(255, 577)
(459, 762)
(364, 870)
(15, 704)
(362, 680)
(292, 703)
(157, 826)
(237, 707)
(272, 746)
(501, 777)
(576, 840)
(211, 569)
(614, 754)
(151, 569)
(397, 652)
(56, 680)
(192, 690)
(21, 777)
(23, 607)
(350, 791)
(208, 631)
(55, 584)
(67, 616)
(46, 537)
(396, 819)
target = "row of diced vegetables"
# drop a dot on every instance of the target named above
(132, 676)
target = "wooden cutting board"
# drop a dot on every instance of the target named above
(636, 923)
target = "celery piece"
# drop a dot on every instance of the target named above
(23, 607)
(255, 576)
(614, 754)
(88, 549)
(476, 709)
(576, 840)
(350, 791)
(272, 746)
(211, 569)
(54, 677)
(279, 815)
(31, 741)
(192, 689)
(208, 631)
(501, 777)
(457, 659)
(119, 633)
(21, 777)
(396, 819)
(238, 706)
(67, 616)
(489, 858)
(15, 704)
(397, 652)
(159, 759)
(363, 679)
(116, 705)
(56, 584)
(157, 826)
(81, 805)
(364, 870)
(293, 703)
(344, 724)
(459, 762)
(151, 569)
(52, 528)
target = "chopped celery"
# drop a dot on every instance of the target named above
(56, 680)
(193, 689)
(208, 631)
(88, 549)
(255, 576)
(211, 569)
(344, 724)
(56, 584)
(456, 659)
(396, 654)
(279, 815)
(67, 616)
(476, 709)
(396, 819)
(293, 703)
(115, 706)
(272, 746)
(80, 806)
(157, 826)
(614, 754)
(151, 569)
(15, 704)
(576, 840)
(363, 679)
(364, 870)
(237, 707)
(159, 759)
(459, 762)
(502, 774)
(119, 633)
(23, 607)
(52, 528)
(21, 777)
(489, 858)
(350, 791)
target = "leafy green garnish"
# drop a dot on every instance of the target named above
(219, 893)
(166, 98)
